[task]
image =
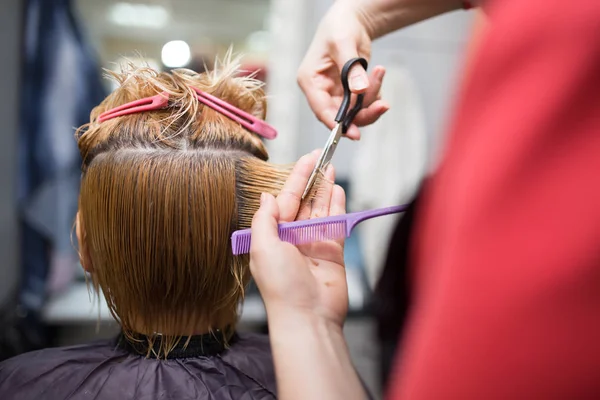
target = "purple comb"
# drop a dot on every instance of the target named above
(314, 230)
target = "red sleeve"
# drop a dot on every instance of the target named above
(507, 249)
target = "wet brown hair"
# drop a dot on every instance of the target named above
(161, 193)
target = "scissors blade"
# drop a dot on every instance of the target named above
(331, 145)
(325, 157)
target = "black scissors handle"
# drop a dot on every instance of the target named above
(345, 117)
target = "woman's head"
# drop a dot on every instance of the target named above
(161, 193)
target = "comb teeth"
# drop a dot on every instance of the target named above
(296, 235)
(240, 242)
(313, 233)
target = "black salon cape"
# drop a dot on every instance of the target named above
(111, 370)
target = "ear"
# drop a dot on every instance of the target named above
(84, 255)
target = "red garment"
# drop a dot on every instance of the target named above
(507, 248)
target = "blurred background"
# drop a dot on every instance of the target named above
(54, 53)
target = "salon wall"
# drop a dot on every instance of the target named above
(10, 36)
(433, 54)
(209, 27)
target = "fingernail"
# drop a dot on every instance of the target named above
(263, 199)
(358, 82)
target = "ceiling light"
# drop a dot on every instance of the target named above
(176, 54)
(138, 15)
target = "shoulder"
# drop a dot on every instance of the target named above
(36, 361)
(95, 349)
(254, 344)
(30, 375)
(246, 338)
(250, 355)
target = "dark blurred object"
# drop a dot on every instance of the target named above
(60, 85)
(22, 331)
(201, 63)
(391, 299)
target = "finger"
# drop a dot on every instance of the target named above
(376, 79)
(374, 108)
(322, 200)
(358, 79)
(353, 133)
(357, 76)
(264, 229)
(317, 88)
(338, 204)
(328, 116)
(322, 105)
(369, 115)
(306, 211)
(290, 197)
(338, 201)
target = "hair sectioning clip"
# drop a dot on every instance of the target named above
(161, 101)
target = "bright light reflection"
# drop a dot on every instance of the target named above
(176, 54)
(138, 15)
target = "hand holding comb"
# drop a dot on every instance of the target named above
(314, 230)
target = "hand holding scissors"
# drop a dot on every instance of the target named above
(343, 121)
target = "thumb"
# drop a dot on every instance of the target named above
(357, 77)
(264, 226)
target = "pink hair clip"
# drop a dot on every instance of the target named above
(245, 119)
(156, 102)
(161, 101)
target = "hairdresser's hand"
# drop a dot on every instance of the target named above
(346, 32)
(309, 281)
(341, 35)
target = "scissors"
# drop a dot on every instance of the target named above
(343, 121)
